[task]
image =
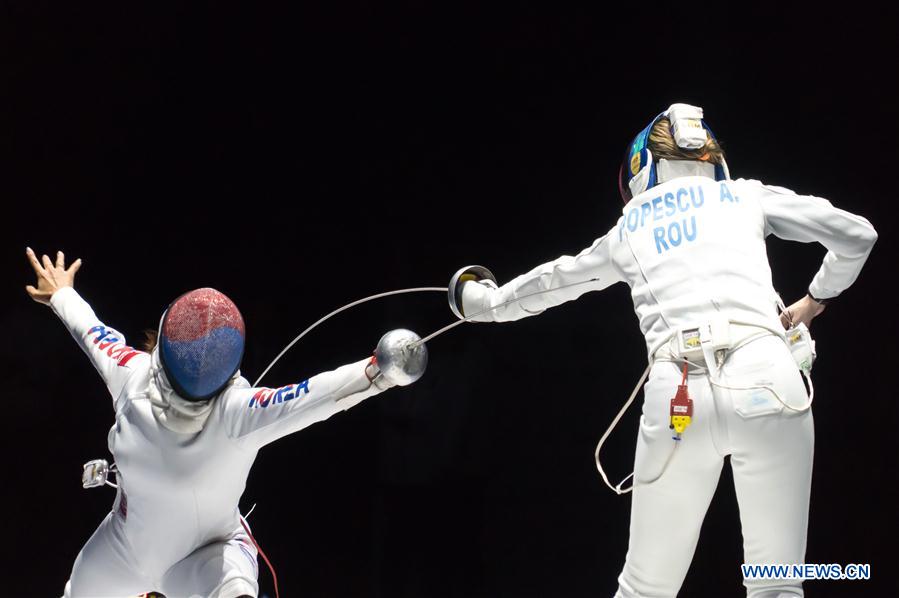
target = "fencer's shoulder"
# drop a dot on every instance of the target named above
(757, 185)
(775, 191)
(233, 394)
(141, 361)
(765, 187)
(136, 382)
(139, 377)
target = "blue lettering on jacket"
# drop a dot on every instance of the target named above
(725, 194)
(112, 345)
(663, 207)
(268, 396)
(674, 234)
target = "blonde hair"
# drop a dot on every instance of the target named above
(661, 144)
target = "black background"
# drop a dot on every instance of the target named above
(301, 157)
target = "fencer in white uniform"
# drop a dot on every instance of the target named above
(690, 244)
(182, 465)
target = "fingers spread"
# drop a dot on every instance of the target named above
(76, 265)
(60, 260)
(32, 259)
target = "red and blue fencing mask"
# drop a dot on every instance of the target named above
(201, 343)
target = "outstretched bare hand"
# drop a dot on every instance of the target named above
(50, 277)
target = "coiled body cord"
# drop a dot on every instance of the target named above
(617, 489)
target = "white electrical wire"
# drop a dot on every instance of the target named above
(714, 381)
(617, 489)
(399, 292)
(802, 409)
(337, 311)
(115, 470)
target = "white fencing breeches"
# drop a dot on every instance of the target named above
(106, 567)
(771, 455)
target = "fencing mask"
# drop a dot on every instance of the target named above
(201, 343)
(639, 170)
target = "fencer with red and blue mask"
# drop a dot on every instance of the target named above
(640, 169)
(182, 462)
(201, 343)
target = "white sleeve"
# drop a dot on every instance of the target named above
(847, 237)
(257, 416)
(572, 276)
(105, 347)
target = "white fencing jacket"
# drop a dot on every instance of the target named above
(691, 249)
(180, 491)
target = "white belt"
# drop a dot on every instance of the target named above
(715, 340)
(697, 344)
